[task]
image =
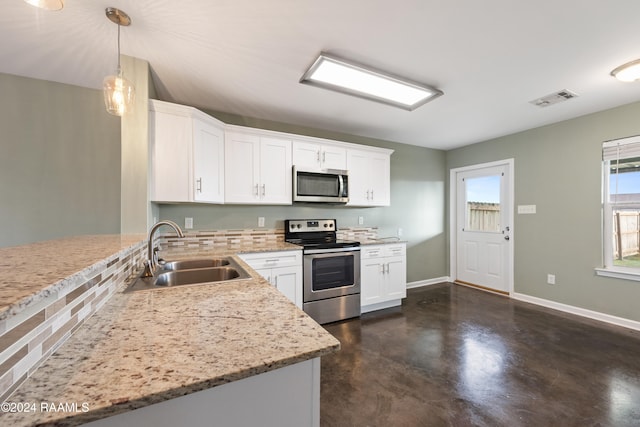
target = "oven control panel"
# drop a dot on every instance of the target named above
(306, 225)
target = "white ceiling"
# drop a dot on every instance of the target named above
(246, 57)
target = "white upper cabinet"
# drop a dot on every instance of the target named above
(369, 177)
(319, 156)
(258, 168)
(187, 154)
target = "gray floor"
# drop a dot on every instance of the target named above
(455, 356)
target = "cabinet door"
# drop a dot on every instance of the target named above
(371, 281)
(379, 180)
(333, 157)
(358, 166)
(288, 280)
(170, 157)
(396, 277)
(242, 167)
(208, 162)
(275, 171)
(306, 155)
(266, 273)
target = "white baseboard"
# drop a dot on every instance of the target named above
(428, 282)
(603, 317)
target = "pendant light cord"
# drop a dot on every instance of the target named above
(119, 69)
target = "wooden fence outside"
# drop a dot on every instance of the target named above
(626, 233)
(483, 216)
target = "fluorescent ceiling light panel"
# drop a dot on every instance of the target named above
(331, 72)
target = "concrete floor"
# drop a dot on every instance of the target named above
(455, 356)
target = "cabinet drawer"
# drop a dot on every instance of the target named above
(395, 250)
(368, 252)
(261, 260)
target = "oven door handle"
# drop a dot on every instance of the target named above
(330, 251)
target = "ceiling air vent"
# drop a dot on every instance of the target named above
(554, 98)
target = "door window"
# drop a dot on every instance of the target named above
(482, 211)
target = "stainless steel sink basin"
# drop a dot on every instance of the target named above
(202, 275)
(190, 264)
(191, 272)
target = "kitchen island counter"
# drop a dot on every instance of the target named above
(148, 347)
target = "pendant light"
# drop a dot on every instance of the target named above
(119, 92)
(47, 4)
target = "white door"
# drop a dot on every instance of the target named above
(483, 226)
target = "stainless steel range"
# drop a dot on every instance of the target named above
(331, 269)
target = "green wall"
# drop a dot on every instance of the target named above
(59, 164)
(558, 169)
(417, 202)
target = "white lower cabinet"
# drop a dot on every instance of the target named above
(282, 269)
(383, 276)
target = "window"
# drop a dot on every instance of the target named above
(622, 204)
(483, 203)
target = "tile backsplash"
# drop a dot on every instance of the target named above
(29, 338)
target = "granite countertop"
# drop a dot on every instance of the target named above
(30, 273)
(381, 241)
(146, 347)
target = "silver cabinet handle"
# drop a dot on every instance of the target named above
(367, 194)
(324, 156)
(371, 194)
(257, 194)
(275, 281)
(318, 156)
(264, 186)
(199, 186)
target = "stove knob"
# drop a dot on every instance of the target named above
(330, 225)
(326, 225)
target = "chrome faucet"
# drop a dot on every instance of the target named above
(150, 263)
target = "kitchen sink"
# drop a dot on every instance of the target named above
(190, 264)
(191, 272)
(202, 275)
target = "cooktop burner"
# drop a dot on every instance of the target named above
(315, 234)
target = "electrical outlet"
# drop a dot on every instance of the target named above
(260, 221)
(551, 279)
(399, 232)
(188, 223)
(360, 220)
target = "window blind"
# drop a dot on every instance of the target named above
(622, 148)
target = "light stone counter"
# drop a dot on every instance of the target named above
(30, 273)
(146, 347)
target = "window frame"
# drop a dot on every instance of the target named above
(609, 269)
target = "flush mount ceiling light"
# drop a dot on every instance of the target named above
(119, 92)
(628, 72)
(47, 4)
(334, 73)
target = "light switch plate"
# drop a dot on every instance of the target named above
(260, 221)
(188, 223)
(526, 209)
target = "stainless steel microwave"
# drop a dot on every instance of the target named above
(320, 186)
